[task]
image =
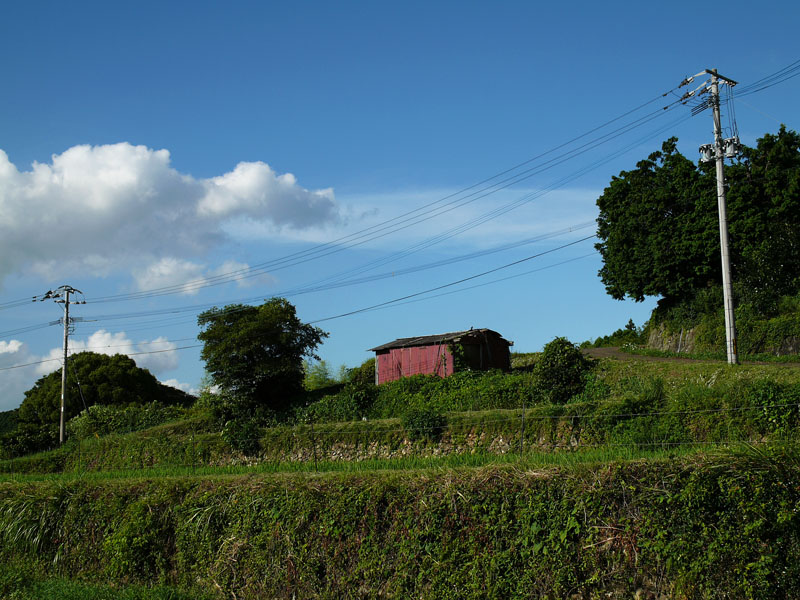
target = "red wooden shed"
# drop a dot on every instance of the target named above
(479, 349)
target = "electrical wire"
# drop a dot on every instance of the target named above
(474, 222)
(371, 232)
(197, 308)
(452, 283)
(375, 307)
(780, 76)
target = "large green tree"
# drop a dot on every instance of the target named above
(95, 379)
(255, 353)
(659, 230)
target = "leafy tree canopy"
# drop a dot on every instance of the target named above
(8, 420)
(317, 375)
(106, 380)
(659, 228)
(255, 353)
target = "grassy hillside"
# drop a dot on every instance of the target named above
(639, 485)
(627, 404)
(665, 527)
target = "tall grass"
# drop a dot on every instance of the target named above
(533, 459)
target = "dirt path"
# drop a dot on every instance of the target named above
(615, 352)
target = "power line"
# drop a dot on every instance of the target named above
(473, 223)
(372, 232)
(384, 304)
(779, 76)
(788, 72)
(28, 328)
(47, 360)
(452, 283)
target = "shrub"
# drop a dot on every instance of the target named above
(242, 435)
(102, 420)
(778, 412)
(363, 374)
(28, 438)
(8, 421)
(424, 424)
(561, 370)
(352, 403)
(629, 335)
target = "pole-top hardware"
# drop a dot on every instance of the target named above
(61, 295)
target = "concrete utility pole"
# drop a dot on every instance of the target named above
(61, 296)
(719, 151)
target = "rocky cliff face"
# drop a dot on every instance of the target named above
(661, 338)
(685, 340)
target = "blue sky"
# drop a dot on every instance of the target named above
(152, 144)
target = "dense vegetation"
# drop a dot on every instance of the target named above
(659, 236)
(630, 335)
(255, 354)
(720, 526)
(634, 406)
(565, 477)
(659, 232)
(477, 485)
(107, 383)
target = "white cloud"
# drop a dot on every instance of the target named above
(255, 190)
(190, 276)
(186, 387)
(164, 355)
(10, 347)
(98, 209)
(14, 382)
(169, 272)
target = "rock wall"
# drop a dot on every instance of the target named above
(660, 338)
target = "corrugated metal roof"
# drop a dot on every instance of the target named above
(428, 340)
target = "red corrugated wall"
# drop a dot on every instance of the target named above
(402, 362)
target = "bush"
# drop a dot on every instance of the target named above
(102, 420)
(523, 361)
(364, 374)
(424, 424)
(242, 435)
(8, 421)
(225, 406)
(561, 370)
(778, 412)
(27, 439)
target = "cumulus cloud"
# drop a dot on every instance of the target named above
(14, 382)
(185, 387)
(104, 342)
(255, 190)
(10, 347)
(101, 208)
